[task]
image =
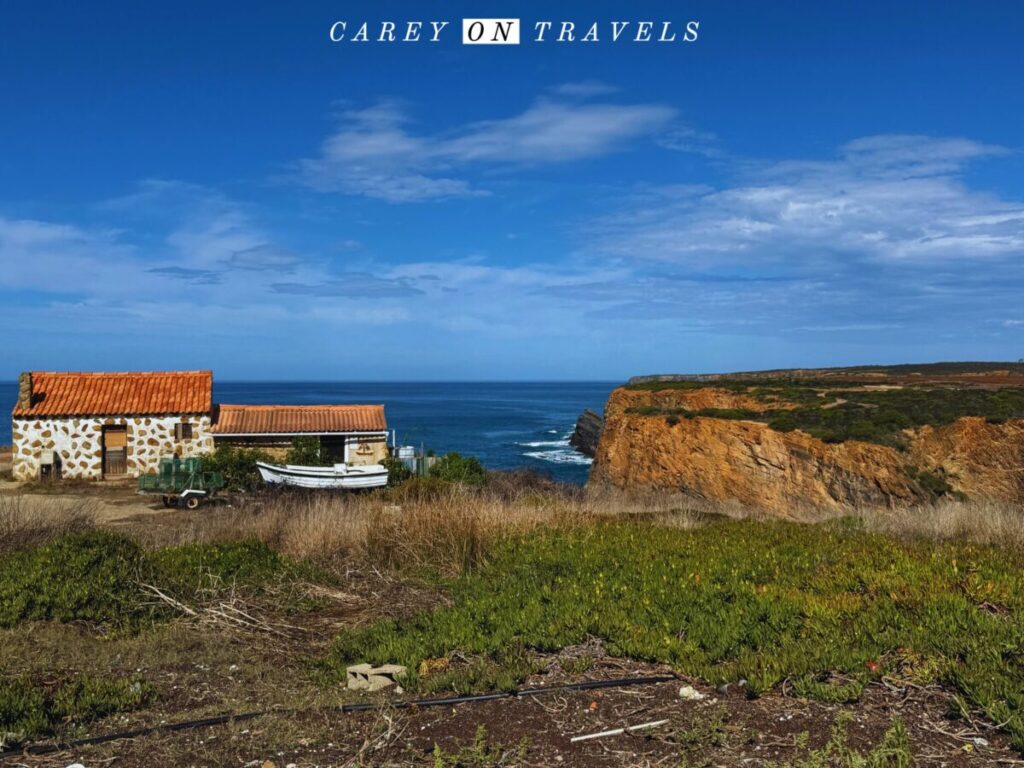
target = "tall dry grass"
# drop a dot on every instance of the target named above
(984, 522)
(452, 528)
(27, 520)
(447, 528)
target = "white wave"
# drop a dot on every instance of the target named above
(563, 456)
(545, 444)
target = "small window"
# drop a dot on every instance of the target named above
(183, 431)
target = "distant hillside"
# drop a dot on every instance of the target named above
(931, 371)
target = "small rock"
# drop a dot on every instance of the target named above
(723, 689)
(368, 677)
(689, 693)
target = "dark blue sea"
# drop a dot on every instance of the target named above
(505, 425)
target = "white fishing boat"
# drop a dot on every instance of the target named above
(347, 476)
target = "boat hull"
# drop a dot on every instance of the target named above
(338, 477)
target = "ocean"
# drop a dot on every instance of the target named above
(505, 425)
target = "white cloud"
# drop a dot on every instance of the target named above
(584, 89)
(181, 268)
(374, 152)
(554, 132)
(885, 198)
(887, 240)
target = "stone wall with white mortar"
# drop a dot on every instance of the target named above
(79, 443)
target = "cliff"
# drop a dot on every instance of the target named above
(587, 434)
(787, 445)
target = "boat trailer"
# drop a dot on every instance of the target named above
(182, 482)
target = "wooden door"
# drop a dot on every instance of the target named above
(115, 450)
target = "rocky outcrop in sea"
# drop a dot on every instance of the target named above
(587, 434)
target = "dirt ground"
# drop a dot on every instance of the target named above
(118, 506)
(723, 728)
(202, 669)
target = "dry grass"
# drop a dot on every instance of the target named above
(28, 520)
(6, 461)
(448, 528)
(982, 522)
(450, 531)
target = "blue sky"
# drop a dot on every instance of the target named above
(807, 184)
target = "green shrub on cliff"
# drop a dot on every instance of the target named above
(456, 468)
(874, 416)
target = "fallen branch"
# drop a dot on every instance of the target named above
(223, 613)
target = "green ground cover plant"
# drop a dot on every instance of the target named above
(892, 751)
(29, 709)
(762, 601)
(480, 754)
(96, 577)
(248, 564)
(90, 576)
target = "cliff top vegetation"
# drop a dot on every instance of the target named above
(870, 404)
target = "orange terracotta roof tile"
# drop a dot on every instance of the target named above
(298, 419)
(99, 394)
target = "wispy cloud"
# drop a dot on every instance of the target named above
(888, 241)
(233, 278)
(353, 285)
(886, 235)
(885, 198)
(376, 153)
(584, 89)
(200, 276)
(685, 138)
(262, 258)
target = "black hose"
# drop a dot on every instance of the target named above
(539, 691)
(188, 725)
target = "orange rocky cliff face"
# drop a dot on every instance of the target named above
(731, 460)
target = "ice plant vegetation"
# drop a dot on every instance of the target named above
(761, 601)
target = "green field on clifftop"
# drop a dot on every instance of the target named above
(835, 412)
(873, 404)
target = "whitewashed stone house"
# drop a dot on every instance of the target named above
(104, 425)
